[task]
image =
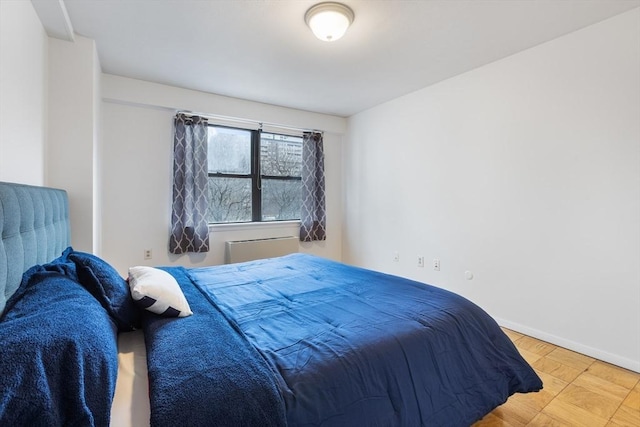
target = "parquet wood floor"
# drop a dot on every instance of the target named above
(578, 391)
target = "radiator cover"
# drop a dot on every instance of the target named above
(249, 250)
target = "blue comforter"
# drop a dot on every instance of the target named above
(348, 346)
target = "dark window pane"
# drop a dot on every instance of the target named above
(280, 155)
(281, 199)
(230, 199)
(229, 150)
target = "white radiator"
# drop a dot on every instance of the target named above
(248, 250)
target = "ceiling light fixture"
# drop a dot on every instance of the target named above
(329, 21)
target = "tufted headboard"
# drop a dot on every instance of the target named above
(34, 226)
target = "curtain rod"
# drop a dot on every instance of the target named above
(205, 115)
(237, 120)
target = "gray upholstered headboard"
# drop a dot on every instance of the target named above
(34, 226)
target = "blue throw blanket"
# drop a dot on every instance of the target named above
(58, 359)
(202, 372)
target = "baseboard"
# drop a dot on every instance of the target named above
(614, 359)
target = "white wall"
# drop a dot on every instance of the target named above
(525, 172)
(137, 143)
(97, 155)
(74, 87)
(23, 93)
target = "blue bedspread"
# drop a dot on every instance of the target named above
(353, 347)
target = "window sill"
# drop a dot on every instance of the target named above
(253, 225)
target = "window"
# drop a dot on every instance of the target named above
(253, 176)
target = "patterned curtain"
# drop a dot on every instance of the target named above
(189, 227)
(313, 213)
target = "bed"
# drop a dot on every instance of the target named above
(296, 340)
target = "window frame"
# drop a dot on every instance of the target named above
(256, 177)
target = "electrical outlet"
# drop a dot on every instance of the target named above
(436, 264)
(396, 256)
(420, 261)
(148, 254)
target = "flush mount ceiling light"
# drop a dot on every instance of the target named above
(329, 21)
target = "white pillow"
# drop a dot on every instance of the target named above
(157, 291)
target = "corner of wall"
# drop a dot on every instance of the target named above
(73, 121)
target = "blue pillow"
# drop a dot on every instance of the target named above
(106, 285)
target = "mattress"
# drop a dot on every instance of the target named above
(131, 399)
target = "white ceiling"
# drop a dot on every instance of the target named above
(261, 50)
